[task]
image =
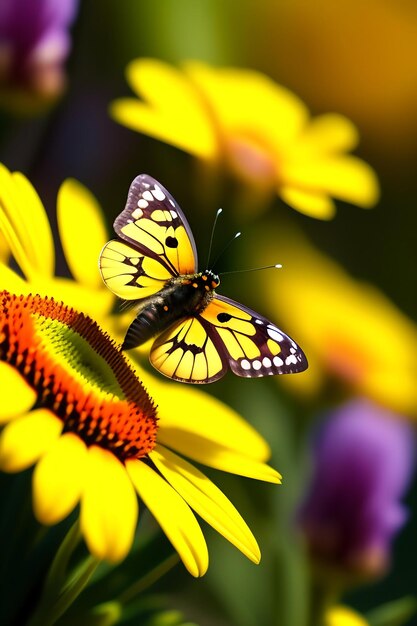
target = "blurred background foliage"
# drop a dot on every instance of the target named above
(352, 57)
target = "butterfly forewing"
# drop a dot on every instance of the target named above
(130, 274)
(153, 223)
(156, 243)
(253, 345)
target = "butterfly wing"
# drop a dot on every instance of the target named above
(188, 352)
(253, 345)
(130, 274)
(156, 243)
(154, 224)
(225, 335)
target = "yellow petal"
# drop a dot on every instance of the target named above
(394, 390)
(58, 479)
(24, 224)
(329, 133)
(189, 411)
(344, 616)
(27, 438)
(9, 222)
(207, 500)
(175, 113)
(109, 507)
(245, 101)
(35, 220)
(4, 249)
(313, 204)
(96, 303)
(10, 281)
(82, 232)
(347, 178)
(173, 515)
(216, 455)
(141, 118)
(17, 396)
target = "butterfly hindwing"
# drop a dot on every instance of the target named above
(187, 352)
(154, 224)
(253, 345)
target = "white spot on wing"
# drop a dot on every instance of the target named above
(278, 361)
(147, 195)
(266, 362)
(291, 359)
(137, 213)
(142, 203)
(174, 214)
(257, 321)
(244, 364)
(158, 193)
(256, 365)
(274, 334)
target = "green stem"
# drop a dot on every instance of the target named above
(322, 597)
(57, 572)
(49, 615)
(149, 579)
(61, 587)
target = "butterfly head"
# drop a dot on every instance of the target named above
(210, 280)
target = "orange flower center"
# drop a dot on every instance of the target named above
(78, 373)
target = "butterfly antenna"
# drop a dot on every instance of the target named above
(277, 266)
(224, 249)
(212, 235)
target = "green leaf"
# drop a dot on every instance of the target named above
(396, 613)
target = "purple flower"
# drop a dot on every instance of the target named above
(363, 460)
(34, 42)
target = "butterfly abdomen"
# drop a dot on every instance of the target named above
(182, 297)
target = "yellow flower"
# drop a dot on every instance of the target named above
(260, 130)
(344, 616)
(25, 226)
(349, 330)
(74, 406)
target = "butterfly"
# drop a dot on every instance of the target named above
(199, 333)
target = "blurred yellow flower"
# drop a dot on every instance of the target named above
(258, 129)
(344, 616)
(74, 407)
(350, 331)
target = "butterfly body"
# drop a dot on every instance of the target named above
(200, 334)
(181, 297)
